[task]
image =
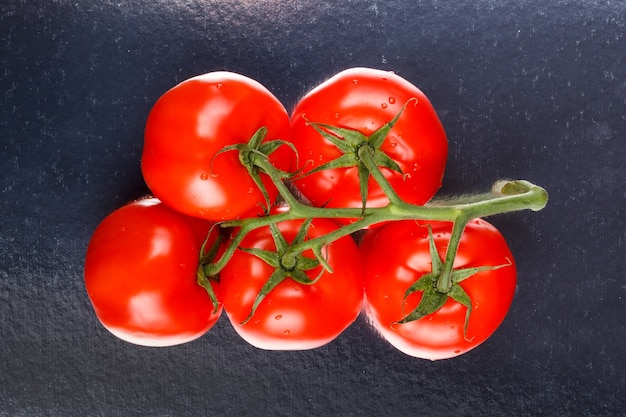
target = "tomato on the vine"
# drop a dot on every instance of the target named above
(218, 150)
(141, 275)
(364, 100)
(397, 255)
(293, 316)
(187, 128)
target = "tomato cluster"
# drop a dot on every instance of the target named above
(255, 212)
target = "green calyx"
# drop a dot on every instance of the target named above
(353, 144)
(287, 264)
(252, 153)
(207, 255)
(429, 284)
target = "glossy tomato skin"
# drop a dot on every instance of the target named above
(140, 275)
(364, 99)
(193, 121)
(396, 255)
(293, 316)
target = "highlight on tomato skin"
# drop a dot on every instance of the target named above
(140, 275)
(397, 255)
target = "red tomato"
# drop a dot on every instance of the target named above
(140, 274)
(397, 255)
(193, 121)
(293, 316)
(364, 99)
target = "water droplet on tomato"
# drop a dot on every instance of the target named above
(219, 85)
(383, 105)
(204, 176)
(286, 332)
(278, 317)
(457, 351)
(250, 190)
(392, 100)
(416, 167)
(406, 176)
(355, 82)
(336, 115)
(393, 144)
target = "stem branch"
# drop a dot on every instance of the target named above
(366, 154)
(505, 196)
(444, 282)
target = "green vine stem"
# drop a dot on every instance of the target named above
(364, 153)
(505, 196)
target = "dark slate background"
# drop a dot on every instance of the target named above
(532, 90)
